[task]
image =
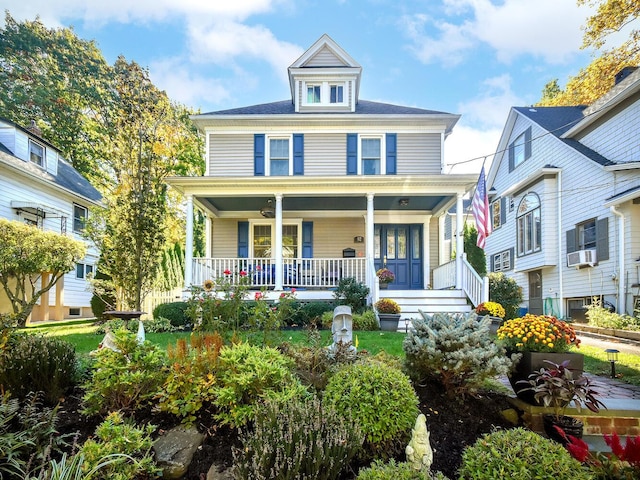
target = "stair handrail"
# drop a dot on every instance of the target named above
(475, 287)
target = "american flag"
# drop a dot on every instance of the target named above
(480, 209)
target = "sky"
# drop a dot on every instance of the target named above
(476, 58)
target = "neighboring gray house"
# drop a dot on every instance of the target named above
(39, 187)
(565, 196)
(324, 185)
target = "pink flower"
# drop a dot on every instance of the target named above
(258, 267)
(282, 295)
(242, 273)
(293, 290)
(258, 295)
(227, 272)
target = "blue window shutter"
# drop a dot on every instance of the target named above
(527, 143)
(352, 153)
(243, 239)
(391, 153)
(298, 154)
(307, 239)
(258, 154)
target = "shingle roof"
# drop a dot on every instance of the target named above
(363, 107)
(558, 120)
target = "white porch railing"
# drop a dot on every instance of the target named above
(474, 286)
(297, 272)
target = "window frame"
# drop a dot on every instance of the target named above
(502, 258)
(496, 213)
(519, 150)
(581, 244)
(528, 227)
(77, 220)
(82, 270)
(272, 225)
(42, 156)
(316, 86)
(324, 90)
(267, 154)
(339, 88)
(383, 157)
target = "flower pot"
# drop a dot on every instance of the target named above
(389, 321)
(570, 426)
(384, 286)
(534, 361)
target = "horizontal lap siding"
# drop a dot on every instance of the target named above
(325, 154)
(331, 235)
(231, 155)
(419, 154)
(224, 238)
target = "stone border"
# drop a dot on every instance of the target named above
(609, 332)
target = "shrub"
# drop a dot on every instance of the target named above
(131, 446)
(353, 293)
(248, 374)
(35, 363)
(361, 321)
(104, 296)
(311, 360)
(124, 380)
(456, 350)
(380, 399)
(297, 439)
(191, 379)
(518, 454)
(600, 316)
(506, 292)
(309, 313)
(395, 471)
(176, 312)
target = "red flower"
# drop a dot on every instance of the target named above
(293, 290)
(631, 451)
(258, 267)
(578, 448)
(227, 272)
(282, 295)
(258, 295)
(242, 273)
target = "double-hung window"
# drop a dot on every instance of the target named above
(79, 218)
(336, 94)
(279, 156)
(36, 153)
(371, 156)
(529, 232)
(586, 234)
(313, 93)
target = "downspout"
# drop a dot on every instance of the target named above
(560, 256)
(622, 300)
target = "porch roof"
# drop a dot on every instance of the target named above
(229, 196)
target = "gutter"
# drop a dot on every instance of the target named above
(622, 300)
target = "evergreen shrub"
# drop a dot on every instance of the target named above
(519, 454)
(36, 363)
(456, 350)
(393, 470)
(353, 293)
(378, 398)
(249, 374)
(125, 380)
(505, 291)
(176, 312)
(361, 321)
(297, 439)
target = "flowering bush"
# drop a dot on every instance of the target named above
(493, 309)
(538, 333)
(385, 275)
(386, 305)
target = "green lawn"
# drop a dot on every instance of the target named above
(81, 335)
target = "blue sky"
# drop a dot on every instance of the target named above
(476, 58)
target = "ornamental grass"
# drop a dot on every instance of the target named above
(538, 333)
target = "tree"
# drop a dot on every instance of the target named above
(475, 255)
(26, 253)
(598, 77)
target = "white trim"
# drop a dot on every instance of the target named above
(383, 152)
(287, 222)
(267, 152)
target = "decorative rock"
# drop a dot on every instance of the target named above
(214, 474)
(511, 415)
(174, 450)
(419, 453)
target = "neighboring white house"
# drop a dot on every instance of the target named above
(324, 185)
(565, 192)
(39, 187)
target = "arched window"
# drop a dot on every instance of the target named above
(529, 225)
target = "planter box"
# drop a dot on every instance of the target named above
(389, 321)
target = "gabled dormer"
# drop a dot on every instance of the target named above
(325, 79)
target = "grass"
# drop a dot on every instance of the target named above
(81, 333)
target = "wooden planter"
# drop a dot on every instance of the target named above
(389, 321)
(532, 361)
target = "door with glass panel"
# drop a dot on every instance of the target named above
(399, 248)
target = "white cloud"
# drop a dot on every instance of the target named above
(546, 29)
(490, 107)
(466, 147)
(182, 86)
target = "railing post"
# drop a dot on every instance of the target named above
(485, 289)
(188, 248)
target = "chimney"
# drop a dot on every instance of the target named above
(33, 128)
(624, 73)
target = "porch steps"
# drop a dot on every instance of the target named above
(428, 301)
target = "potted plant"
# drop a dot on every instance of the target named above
(492, 309)
(557, 386)
(388, 313)
(538, 338)
(385, 276)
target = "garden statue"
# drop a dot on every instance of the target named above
(419, 453)
(342, 327)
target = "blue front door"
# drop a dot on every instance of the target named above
(399, 248)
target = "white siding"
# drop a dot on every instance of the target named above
(325, 154)
(8, 137)
(324, 58)
(231, 155)
(418, 154)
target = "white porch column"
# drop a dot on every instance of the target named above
(369, 224)
(278, 246)
(188, 248)
(459, 240)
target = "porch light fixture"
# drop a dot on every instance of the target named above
(403, 202)
(612, 356)
(268, 211)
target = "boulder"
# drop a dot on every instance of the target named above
(174, 450)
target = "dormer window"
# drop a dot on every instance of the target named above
(36, 153)
(325, 93)
(336, 94)
(313, 94)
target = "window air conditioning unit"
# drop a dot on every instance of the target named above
(582, 258)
